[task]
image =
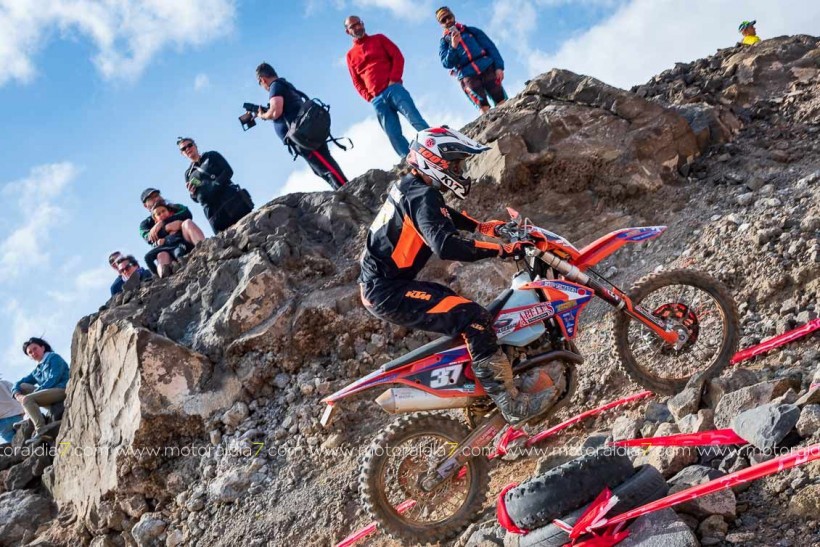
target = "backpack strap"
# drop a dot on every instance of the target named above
(293, 88)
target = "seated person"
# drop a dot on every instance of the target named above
(10, 412)
(45, 386)
(131, 273)
(116, 286)
(172, 241)
(152, 231)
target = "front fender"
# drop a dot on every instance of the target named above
(601, 248)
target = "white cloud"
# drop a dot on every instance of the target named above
(127, 34)
(36, 197)
(201, 82)
(406, 9)
(645, 37)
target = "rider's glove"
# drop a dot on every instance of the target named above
(514, 250)
(488, 228)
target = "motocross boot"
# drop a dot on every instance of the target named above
(495, 375)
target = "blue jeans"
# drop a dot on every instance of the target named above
(388, 104)
(6, 431)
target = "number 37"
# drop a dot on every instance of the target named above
(445, 376)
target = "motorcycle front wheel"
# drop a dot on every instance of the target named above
(394, 467)
(684, 300)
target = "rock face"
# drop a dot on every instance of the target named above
(192, 412)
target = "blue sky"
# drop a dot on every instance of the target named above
(93, 95)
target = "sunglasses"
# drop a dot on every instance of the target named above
(448, 17)
(186, 147)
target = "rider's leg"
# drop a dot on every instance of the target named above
(436, 308)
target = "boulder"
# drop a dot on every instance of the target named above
(235, 415)
(21, 512)
(684, 403)
(666, 459)
(767, 425)
(660, 529)
(704, 420)
(22, 474)
(625, 427)
(722, 502)
(809, 422)
(230, 486)
(147, 531)
(732, 379)
(735, 402)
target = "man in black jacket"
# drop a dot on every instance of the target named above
(414, 223)
(208, 180)
(152, 231)
(284, 103)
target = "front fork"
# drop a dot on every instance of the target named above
(469, 448)
(618, 300)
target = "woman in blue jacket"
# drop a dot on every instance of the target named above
(46, 384)
(472, 58)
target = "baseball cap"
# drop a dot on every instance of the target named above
(147, 193)
(745, 24)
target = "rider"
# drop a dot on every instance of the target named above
(414, 223)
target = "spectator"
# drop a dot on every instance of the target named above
(284, 102)
(747, 29)
(45, 386)
(473, 59)
(10, 412)
(116, 286)
(208, 180)
(376, 66)
(152, 231)
(131, 273)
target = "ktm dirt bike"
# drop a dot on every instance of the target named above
(425, 477)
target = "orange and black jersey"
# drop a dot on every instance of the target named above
(414, 223)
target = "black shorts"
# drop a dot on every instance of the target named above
(480, 86)
(432, 307)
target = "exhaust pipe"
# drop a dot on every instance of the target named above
(407, 399)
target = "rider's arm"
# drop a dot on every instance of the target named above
(432, 218)
(463, 221)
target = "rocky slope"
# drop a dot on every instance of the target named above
(193, 406)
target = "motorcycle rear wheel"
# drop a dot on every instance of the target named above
(693, 301)
(396, 462)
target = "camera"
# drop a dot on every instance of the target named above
(247, 120)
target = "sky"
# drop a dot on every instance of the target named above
(94, 93)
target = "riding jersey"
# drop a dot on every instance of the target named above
(414, 223)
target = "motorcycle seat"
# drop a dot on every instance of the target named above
(445, 342)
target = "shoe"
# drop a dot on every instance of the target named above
(38, 439)
(495, 375)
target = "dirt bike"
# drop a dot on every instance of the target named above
(425, 477)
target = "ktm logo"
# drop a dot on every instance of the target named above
(418, 295)
(429, 156)
(477, 327)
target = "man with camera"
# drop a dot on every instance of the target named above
(208, 180)
(284, 104)
(473, 59)
(376, 66)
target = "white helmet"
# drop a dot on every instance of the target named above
(439, 153)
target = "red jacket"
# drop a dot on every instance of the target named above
(374, 61)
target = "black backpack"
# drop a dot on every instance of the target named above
(310, 129)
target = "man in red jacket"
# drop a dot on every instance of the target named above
(376, 66)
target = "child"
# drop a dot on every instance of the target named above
(174, 242)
